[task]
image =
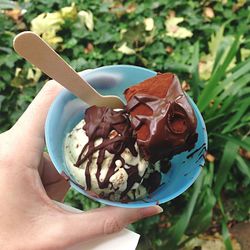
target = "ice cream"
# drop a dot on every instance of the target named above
(102, 156)
(121, 154)
(161, 116)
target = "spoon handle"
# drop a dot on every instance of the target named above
(35, 50)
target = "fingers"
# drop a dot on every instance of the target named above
(103, 221)
(30, 127)
(55, 185)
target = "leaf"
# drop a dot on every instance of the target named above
(235, 140)
(6, 4)
(70, 43)
(208, 92)
(79, 64)
(124, 49)
(236, 73)
(227, 160)
(217, 46)
(205, 66)
(201, 220)
(179, 67)
(47, 25)
(173, 30)
(34, 74)
(5, 49)
(208, 12)
(224, 229)
(245, 54)
(15, 14)
(214, 117)
(134, 35)
(195, 72)
(237, 116)
(233, 89)
(226, 236)
(1, 100)
(178, 229)
(227, 104)
(242, 165)
(149, 24)
(9, 60)
(239, 4)
(86, 17)
(69, 12)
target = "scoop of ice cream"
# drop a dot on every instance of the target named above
(163, 119)
(102, 155)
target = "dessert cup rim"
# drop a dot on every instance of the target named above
(134, 204)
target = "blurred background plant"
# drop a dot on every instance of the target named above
(207, 43)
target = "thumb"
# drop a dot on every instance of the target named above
(31, 123)
(102, 221)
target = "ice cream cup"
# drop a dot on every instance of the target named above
(67, 110)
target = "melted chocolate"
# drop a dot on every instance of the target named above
(171, 125)
(114, 128)
(134, 177)
(152, 182)
(201, 148)
(165, 166)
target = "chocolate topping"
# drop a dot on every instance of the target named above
(162, 122)
(165, 165)
(162, 117)
(152, 182)
(115, 129)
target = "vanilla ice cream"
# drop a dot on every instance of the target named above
(113, 175)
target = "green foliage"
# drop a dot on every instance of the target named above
(77, 200)
(226, 162)
(176, 232)
(214, 60)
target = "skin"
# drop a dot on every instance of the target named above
(29, 219)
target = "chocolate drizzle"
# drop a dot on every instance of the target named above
(171, 125)
(201, 149)
(134, 177)
(115, 130)
(152, 182)
(165, 166)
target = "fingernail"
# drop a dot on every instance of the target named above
(150, 211)
(158, 209)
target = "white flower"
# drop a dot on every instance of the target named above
(34, 74)
(124, 49)
(69, 12)
(149, 24)
(86, 17)
(173, 30)
(46, 25)
(47, 22)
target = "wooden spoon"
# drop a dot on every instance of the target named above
(35, 50)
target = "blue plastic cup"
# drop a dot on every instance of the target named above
(67, 110)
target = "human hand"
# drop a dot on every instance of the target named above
(29, 219)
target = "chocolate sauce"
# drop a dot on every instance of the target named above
(201, 148)
(165, 166)
(172, 125)
(134, 177)
(201, 157)
(152, 182)
(103, 122)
